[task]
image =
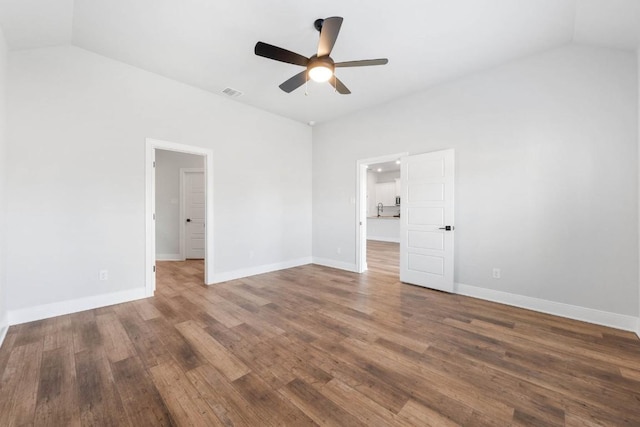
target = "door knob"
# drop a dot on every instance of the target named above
(446, 227)
(188, 219)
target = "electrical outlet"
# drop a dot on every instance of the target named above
(339, 251)
(251, 254)
(104, 274)
(496, 273)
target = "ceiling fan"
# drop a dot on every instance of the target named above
(320, 67)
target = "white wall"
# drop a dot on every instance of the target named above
(76, 191)
(547, 175)
(168, 165)
(3, 144)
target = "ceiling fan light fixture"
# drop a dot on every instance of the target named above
(320, 73)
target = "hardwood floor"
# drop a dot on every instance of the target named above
(383, 258)
(312, 345)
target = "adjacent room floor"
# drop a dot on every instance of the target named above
(313, 345)
(383, 258)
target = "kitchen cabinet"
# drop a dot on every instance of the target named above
(384, 229)
(386, 193)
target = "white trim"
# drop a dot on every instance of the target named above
(362, 224)
(4, 327)
(183, 172)
(169, 257)
(384, 239)
(340, 265)
(638, 160)
(150, 250)
(260, 269)
(3, 334)
(46, 311)
(605, 318)
(361, 211)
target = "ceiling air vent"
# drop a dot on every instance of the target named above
(232, 92)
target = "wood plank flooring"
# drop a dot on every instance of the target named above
(383, 258)
(316, 346)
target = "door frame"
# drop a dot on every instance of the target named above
(361, 205)
(151, 145)
(183, 172)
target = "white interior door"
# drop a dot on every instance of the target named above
(426, 220)
(194, 214)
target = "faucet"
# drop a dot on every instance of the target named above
(380, 208)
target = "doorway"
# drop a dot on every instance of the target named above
(377, 208)
(152, 145)
(426, 216)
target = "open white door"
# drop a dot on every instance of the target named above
(194, 212)
(426, 220)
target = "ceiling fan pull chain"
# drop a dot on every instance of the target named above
(306, 87)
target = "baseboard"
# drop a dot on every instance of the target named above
(46, 311)
(169, 257)
(260, 269)
(3, 334)
(590, 315)
(384, 239)
(4, 328)
(340, 265)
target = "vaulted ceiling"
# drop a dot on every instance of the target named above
(209, 44)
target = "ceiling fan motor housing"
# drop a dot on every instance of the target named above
(324, 61)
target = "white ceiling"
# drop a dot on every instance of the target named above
(385, 166)
(209, 44)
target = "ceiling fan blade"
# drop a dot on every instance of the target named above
(362, 63)
(340, 87)
(280, 54)
(294, 82)
(328, 35)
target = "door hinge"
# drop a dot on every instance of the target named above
(154, 217)
(154, 163)
(154, 268)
